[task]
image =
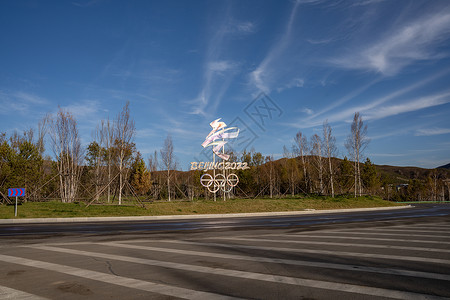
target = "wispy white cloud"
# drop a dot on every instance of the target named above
(307, 111)
(345, 98)
(414, 105)
(320, 42)
(19, 102)
(29, 98)
(146, 132)
(261, 77)
(240, 27)
(432, 131)
(218, 73)
(367, 2)
(221, 66)
(83, 109)
(294, 83)
(369, 110)
(417, 40)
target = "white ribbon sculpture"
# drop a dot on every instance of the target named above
(219, 132)
(216, 138)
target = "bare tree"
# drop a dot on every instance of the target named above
(153, 167)
(269, 167)
(123, 142)
(68, 154)
(42, 131)
(168, 160)
(329, 142)
(94, 157)
(356, 143)
(316, 152)
(107, 134)
(302, 149)
(153, 162)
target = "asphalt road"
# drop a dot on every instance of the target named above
(398, 254)
(115, 227)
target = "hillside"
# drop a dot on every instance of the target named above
(447, 166)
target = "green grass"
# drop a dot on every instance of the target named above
(67, 210)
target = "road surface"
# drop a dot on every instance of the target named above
(398, 254)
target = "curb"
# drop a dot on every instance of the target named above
(189, 217)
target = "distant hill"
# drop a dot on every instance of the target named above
(400, 175)
(447, 166)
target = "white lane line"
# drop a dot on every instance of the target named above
(359, 238)
(336, 244)
(353, 268)
(438, 228)
(444, 225)
(9, 293)
(389, 229)
(318, 251)
(334, 286)
(113, 279)
(376, 233)
(423, 226)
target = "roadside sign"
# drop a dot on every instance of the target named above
(16, 192)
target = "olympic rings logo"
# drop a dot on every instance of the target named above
(219, 182)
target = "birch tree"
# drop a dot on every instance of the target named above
(302, 149)
(107, 135)
(316, 152)
(356, 143)
(168, 160)
(68, 153)
(291, 169)
(270, 172)
(153, 167)
(329, 142)
(94, 158)
(123, 142)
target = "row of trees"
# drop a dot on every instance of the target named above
(111, 167)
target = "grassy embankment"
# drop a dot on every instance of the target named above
(67, 210)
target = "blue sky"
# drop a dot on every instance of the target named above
(272, 68)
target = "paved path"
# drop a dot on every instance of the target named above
(395, 260)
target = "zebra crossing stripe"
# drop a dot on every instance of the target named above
(360, 238)
(113, 279)
(317, 251)
(383, 233)
(9, 293)
(338, 244)
(353, 268)
(334, 286)
(397, 229)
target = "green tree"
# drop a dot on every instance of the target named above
(94, 158)
(20, 162)
(6, 154)
(345, 178)
(369, 176)
(140, 176)
(257, 159)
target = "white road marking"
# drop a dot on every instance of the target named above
(9, 293)
(389, 229)
(334, 286)
(360, 238)
(337, 244)
(353, 268)
(377, 232)
(112, 279)
(423, 226)
(318, 251)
